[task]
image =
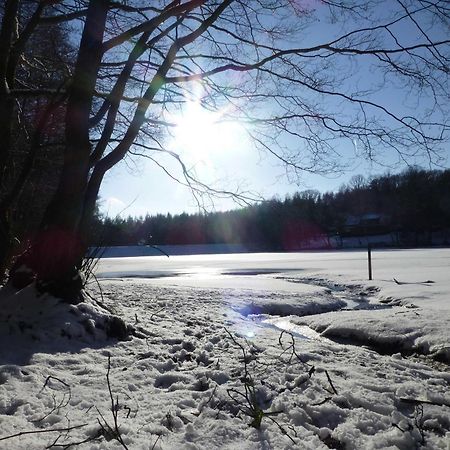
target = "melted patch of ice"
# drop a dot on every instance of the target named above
(284, 324)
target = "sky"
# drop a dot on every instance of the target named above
(222, 155)
(144, 189)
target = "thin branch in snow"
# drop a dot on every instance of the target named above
(51, 430)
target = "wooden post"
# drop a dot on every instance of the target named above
(369, 259)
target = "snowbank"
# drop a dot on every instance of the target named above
(202, 371)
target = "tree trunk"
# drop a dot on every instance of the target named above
(59, 246)
(8, 26)
(5, 243)
(54, 255)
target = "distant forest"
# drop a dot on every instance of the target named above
(414, 205)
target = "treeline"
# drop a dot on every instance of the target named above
(414, 204)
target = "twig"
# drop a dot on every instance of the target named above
(157, 439)
(100, 303)
(159, 250)
(418, 422)
(63, 403)
(283, 430)
(207, 402)
(156, 313)
(331, 383)
(114, 408)
(52, 430)
(416, 401)
(111, 432)
(50, 377)
(292, 347)
(326, 399)
(72, 444)
(244, 353)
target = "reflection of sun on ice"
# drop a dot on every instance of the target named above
(203, 272)
(200, 133)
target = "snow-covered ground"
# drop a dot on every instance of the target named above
(360, 364)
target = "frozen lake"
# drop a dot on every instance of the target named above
(262, 270)
(332, 288)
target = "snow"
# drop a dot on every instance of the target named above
(360, 364)
(158, 250)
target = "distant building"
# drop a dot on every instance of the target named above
(368, 223)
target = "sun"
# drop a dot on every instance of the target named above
(201, 134)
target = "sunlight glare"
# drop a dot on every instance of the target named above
(200, 133)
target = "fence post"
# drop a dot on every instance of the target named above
(369, 259)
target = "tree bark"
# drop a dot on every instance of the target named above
(8, 28)
(58, 248)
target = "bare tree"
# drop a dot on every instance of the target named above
(301, 75)
(31, 124)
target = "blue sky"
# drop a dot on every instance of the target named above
(227, 158)
(145, 189)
